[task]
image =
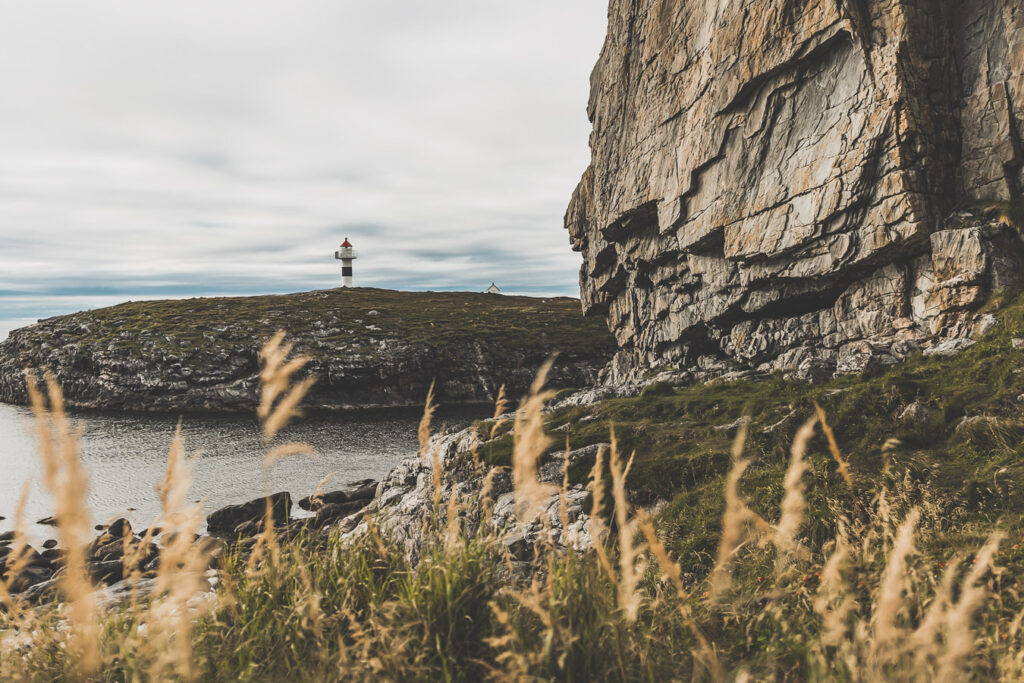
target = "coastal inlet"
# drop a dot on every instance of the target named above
(126, 456)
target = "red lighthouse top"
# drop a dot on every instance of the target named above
(346, 243)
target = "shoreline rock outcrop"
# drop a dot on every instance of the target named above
(369, 348)
(782, 185)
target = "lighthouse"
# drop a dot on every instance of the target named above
(346, 254)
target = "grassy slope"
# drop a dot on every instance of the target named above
(435, 318)
(975, 471)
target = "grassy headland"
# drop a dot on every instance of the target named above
(369, 347)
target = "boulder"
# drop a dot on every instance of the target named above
(119, 528)
(949, 347)
(317, 501)
(365, 492)
(106, 571)
(30, 576)
(227, 519)
(860, 357)
(336, 511)
(915, 412)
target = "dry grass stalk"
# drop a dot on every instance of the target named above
(286, 450)
(959, 639)
(436, 474)
(670, 570)
(424, 429)
(68, 483)
(597, 531)
(500, 408)
(318, 492)
(889, 603)
(474, 452)
(279, 401)
(737, 517)
(794, 504)
(833, 446)
(279, 396)
(834, 602)
(563, 490)
(169, 621)
(922, 643)
(453, 532)
(529, 444)
(631, 559)
(371, 529)
(486, 500)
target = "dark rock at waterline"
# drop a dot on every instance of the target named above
(364, 491)
(30, 557)
(227, 519)
(52, 555)
(120, 528)
(7, 536)
(336, 511)
(48, 521)
(248, 528)
(106, 571)
(44, 591)
(30, 576)
(50, 543)
(111, 550)
(319, 500)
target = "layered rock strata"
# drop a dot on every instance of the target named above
(773, 181)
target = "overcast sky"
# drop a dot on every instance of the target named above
(192, 148)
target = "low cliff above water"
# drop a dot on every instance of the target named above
(369, 348)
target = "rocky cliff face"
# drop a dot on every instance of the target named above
(369, 348)
(777, 183)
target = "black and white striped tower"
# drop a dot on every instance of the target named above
(346, 254)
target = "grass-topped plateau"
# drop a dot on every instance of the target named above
(368, 348)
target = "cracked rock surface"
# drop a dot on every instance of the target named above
(404, 502)
(772, 181)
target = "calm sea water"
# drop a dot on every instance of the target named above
(126, 456)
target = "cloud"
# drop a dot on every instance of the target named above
(151, 149)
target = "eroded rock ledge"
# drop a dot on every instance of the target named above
(776, 184)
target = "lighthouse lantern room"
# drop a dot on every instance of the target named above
(346, 254)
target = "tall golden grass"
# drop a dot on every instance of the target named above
(627, 610)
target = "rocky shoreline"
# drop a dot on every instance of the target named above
(118, 546)
(399, 505)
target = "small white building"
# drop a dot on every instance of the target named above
(493, 289)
